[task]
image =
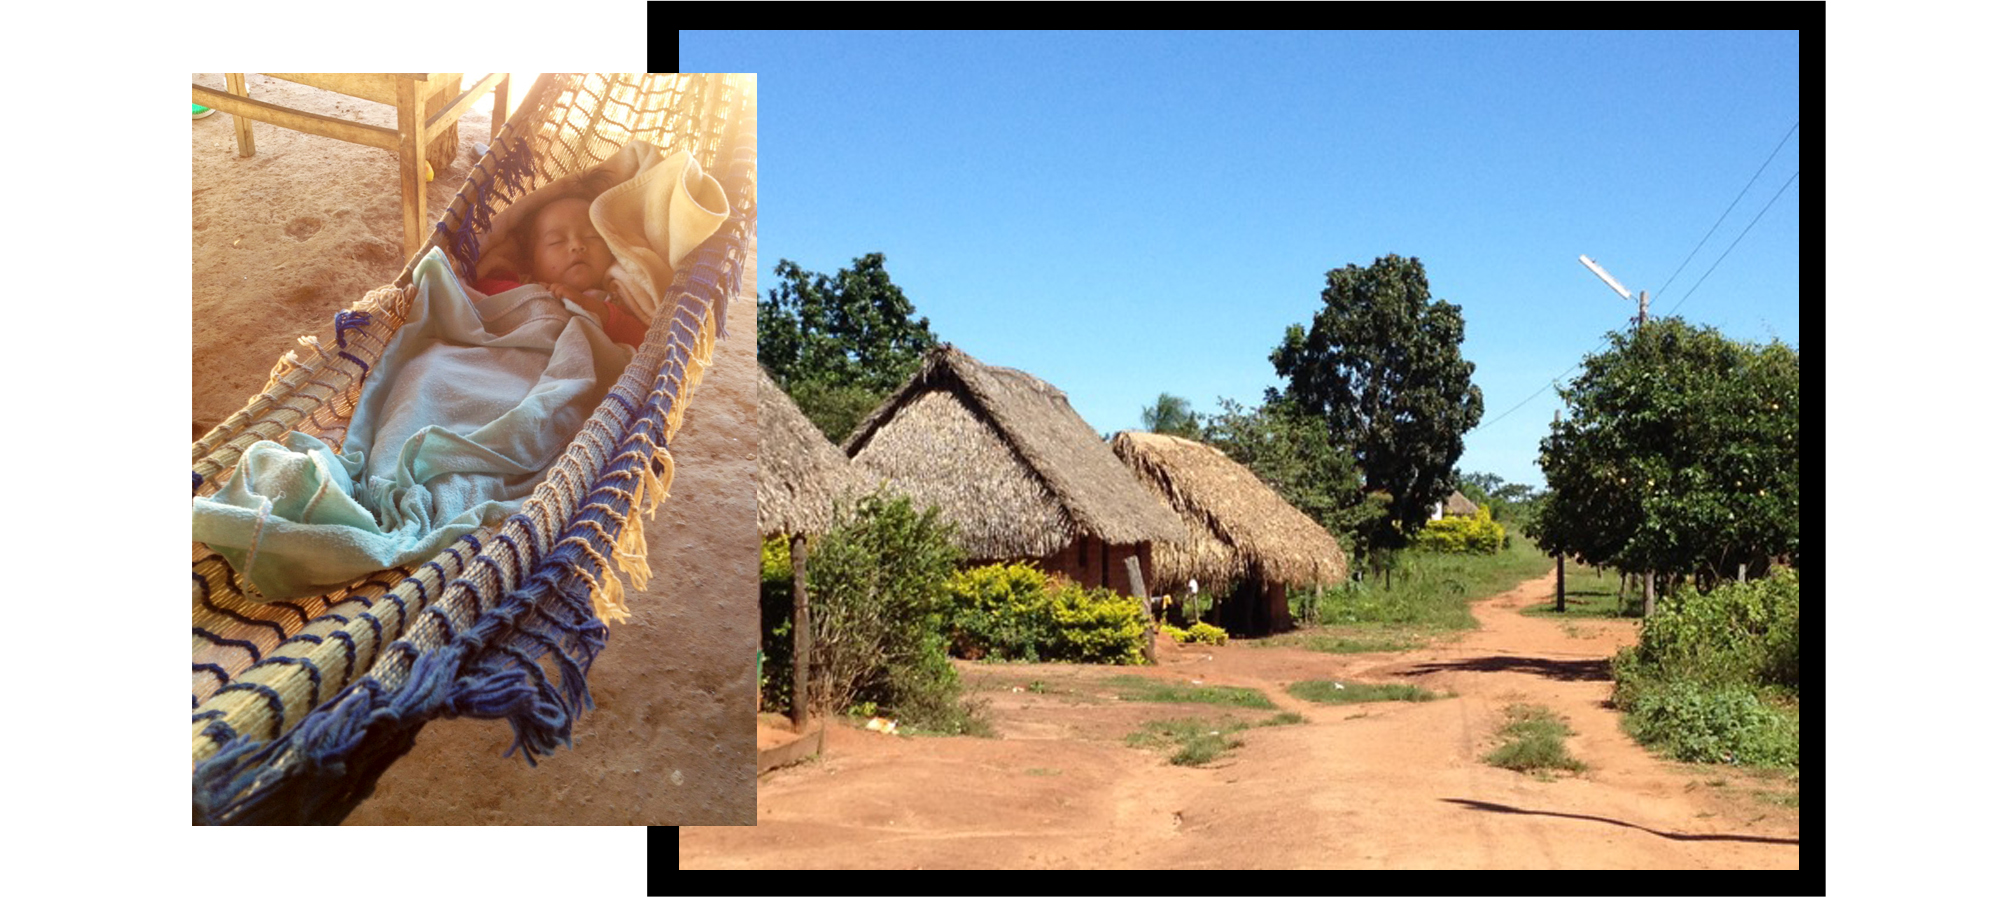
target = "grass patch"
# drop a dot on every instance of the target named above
(1193, 741)
(1198, 741)
(1329, 642)
(1427, 591)
(1533, 742)
(1140, 688)
(1039, 771)
(1327, 691)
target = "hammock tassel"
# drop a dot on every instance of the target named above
(607, 594)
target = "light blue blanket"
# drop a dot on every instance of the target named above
(473, 399)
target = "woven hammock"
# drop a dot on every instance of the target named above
(301, 705)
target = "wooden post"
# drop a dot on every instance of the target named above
(1559, 584)
(410, 139)
(1138, 585)
(1741, 571)
(246, 145)
(801, 634)
(499, 107)
(1647, 578)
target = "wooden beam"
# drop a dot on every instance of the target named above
(304, 122)
(373, 87)
(458, 107)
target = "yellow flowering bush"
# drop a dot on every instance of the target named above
(1457, 534)
(1017, 612)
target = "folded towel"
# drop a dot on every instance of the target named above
(653, 220)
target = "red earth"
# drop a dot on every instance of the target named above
(1376, 785)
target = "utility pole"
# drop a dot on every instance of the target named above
(1613, 283)
(1560, 607)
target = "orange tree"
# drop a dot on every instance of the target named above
(1678, 454)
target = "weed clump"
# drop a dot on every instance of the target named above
(1532, 741)
(1715, 676)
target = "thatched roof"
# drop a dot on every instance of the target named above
(1004, 456)
(799, 473)
(1240, 525)
(1459, 504)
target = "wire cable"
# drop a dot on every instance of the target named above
(1677, 271)
(1732, 244)
(1732, 207)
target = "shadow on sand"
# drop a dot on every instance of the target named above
(1503, 808)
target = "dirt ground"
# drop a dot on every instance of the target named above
(1379, 785)
(287, 237)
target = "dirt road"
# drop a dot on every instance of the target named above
(1379, 785)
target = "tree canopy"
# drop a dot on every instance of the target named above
(1678, 454)
(1380, 367)
(1172, 415)
(839, 345)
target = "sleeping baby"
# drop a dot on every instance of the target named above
(571, 259)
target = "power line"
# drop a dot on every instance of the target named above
(1732, 206)
(1677, 271)
(1739, 239)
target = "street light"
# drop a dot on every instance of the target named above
(1613, 283)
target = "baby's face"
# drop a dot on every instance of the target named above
(567, 248)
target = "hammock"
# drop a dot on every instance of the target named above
(300, 705)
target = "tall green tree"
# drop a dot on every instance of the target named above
(1172, 415)
(1380, 367)
(839, 345)
(1678, 454)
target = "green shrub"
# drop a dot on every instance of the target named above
(877, 605)
(999, 610)
(1745, 633)
(1456, 534)
(1715, 676)
(1709, 723)
(1205, 634)
(1198, 634)
(1017, 612)
(775, 602)
(1098, 626)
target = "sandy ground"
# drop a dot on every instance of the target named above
(1379, 785)
(287, 237)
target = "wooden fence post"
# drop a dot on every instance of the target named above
(801, 634)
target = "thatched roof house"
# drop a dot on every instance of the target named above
(1457, 505)
(1242, 531)
(1239, 525)
(1004, 457)
(799, 473)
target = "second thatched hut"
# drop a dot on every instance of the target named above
(1004, 456)
(799, 473)
(1242, 531)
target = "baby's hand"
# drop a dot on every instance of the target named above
(588, 300)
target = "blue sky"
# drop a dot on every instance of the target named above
(1124, 215)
